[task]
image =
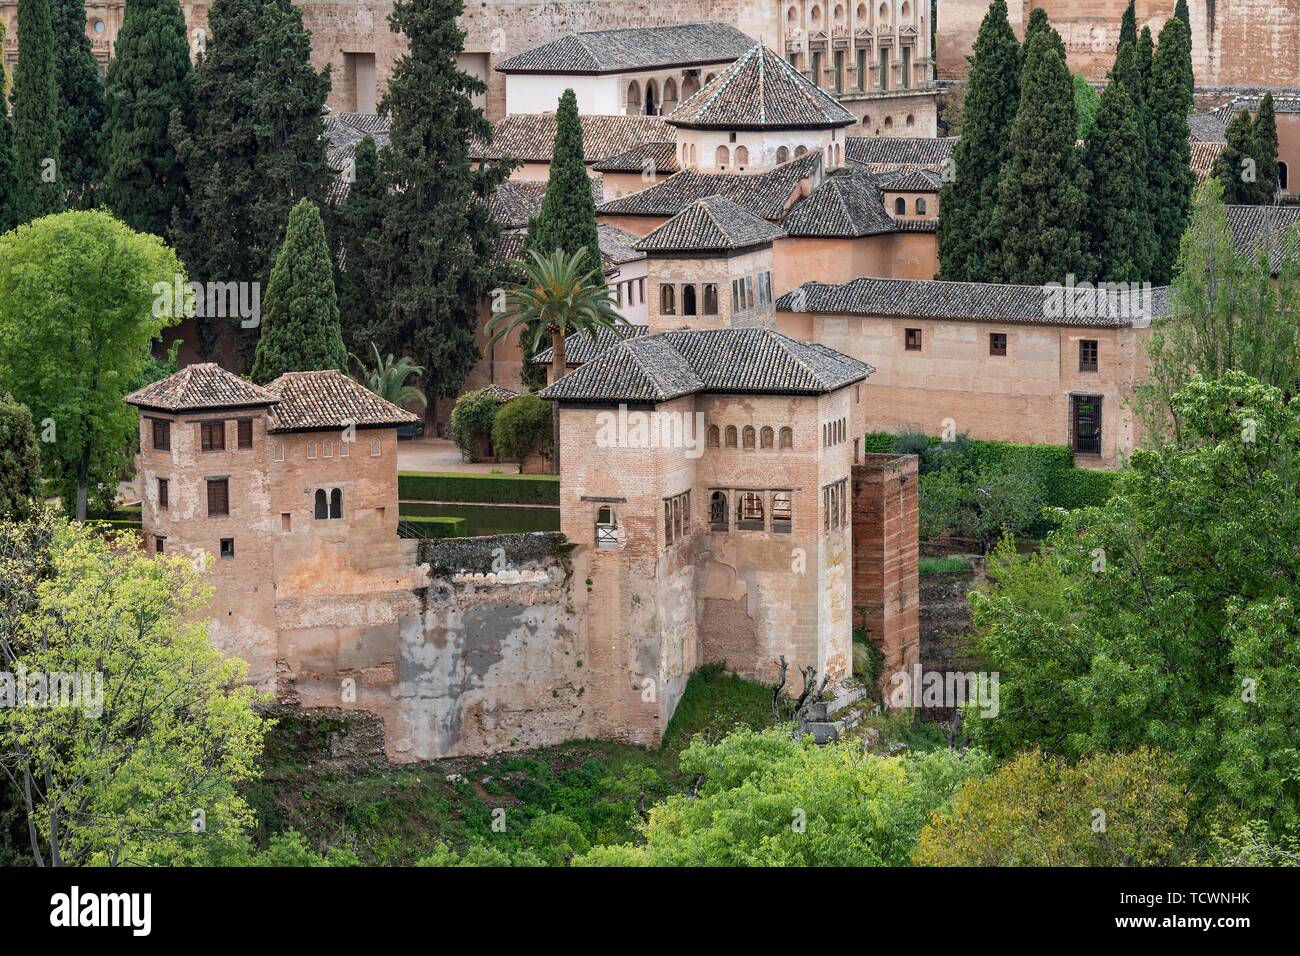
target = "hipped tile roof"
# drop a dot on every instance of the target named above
(713, 224)
(531, 136)
(309, 401)
(198, 387)
(634, 49)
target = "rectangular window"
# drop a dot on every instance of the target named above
(213, 436)
(862, 69)
(735, 295)
(835, 498)
(816, 68)
(905, 80)
(997, 343)
(1086, 422)
(227, 547)
(159, 544)
(839, 71)
(1088, 355)
(912, 340)
(286, 522)
(218, 497)
(782, 512)
(162, 435)
(162, 494)
(245, 433)
(749, 292)
(884, 68)
(677, 517)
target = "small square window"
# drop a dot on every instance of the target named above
(1088, 355)
(912, 340)
(227, 547)
(159, 544)
(213, 436)
(997, 343)
(162, 435)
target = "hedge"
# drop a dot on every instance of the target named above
(478, 489)
(435, 527)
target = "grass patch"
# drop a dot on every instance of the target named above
(485, 519)
(714, 703)
(942, 565)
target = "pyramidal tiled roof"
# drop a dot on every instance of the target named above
(711, 224)
(912, 181)
(580, 347)
(646, 158)
(666, 365)
(531, 136)
(202, 386)
(761, 91)
(329, 399)
(898, 151)
(845, 206)
(637, 48)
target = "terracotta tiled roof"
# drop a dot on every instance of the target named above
(845, 206)
(617, 246)
(912, 181)
(579, 348)
(1203, 158)
(898, 151)
(639, 48)
(658, 158)
(761, 91)
(495, 391)
(516, 201)
(198, 387)
(1283, 102)
(1256, 226)
(971, 301)
(667, 365)
(343, 131)
(310, 401)
(1207, 128)
(767, 194)
(712, 224)
(531, 136)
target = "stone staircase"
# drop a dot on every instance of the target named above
(828, 719)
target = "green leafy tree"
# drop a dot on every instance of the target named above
(969, 240)
(1118, 229)
(256, 148)
(1229, 313)
(983, 504)
(393, 380)
(1086, 103)
(1171, 177)
(766, 799)
(357, 228)
(300, 318)
(435, 278)
(472, 418)
(1044, 189)
(161, 724)
(20, 461)
(148, 78)
(40, 175)
(81, 106)
(1236, 166)
(8, 184)
(560, 296)
(1265, 136)
(1039, 810)
(1167, 617)
(522, 428)
(77, 316)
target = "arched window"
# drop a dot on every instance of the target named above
(667, 300)
(742, 157)
(862, 13)
(651, 98)
(322, 505)
(787, 438)
(910, 121)
(765, 437)
(633, 98)
(688, 300)
(826, 437)
(839, 15)
(815, 17)
(710, 298)
(694, 158)
(731, 436)
(792, 16)
(709, 79)
(715, 437)
(866, 120)
(606, 527)
(883, 13)
(749, 512)
(722, 158)
(920, 207)
(670, 95)
(782, 154)
(749, 437)
(800, 150)
(328, 504)
(906, 10)
(1282, 173)
(900, 206)
(690, 86)
(718, 511)
(311, 449)
(375, 448)
(336, 503)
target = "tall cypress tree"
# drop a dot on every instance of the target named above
(81, 105)
(1170, 166)
(300, 318)
(358, 224)
(1265, 136)
(1039, 23)
(1146, 54)
(39, 189)
(8, 214)
(1128, 32)
(256, 147)
(148, 78)
(1181, 13)
(1233, 167)
(1044, 190)
(1117, 223)
(567, 219)
(435, 277)
(968, 236)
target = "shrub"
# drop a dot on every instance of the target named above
(523, 426)
(478, 489)
(20, 461)
(471, 419)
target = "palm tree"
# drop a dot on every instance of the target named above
(557, 298)
(391, 379)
